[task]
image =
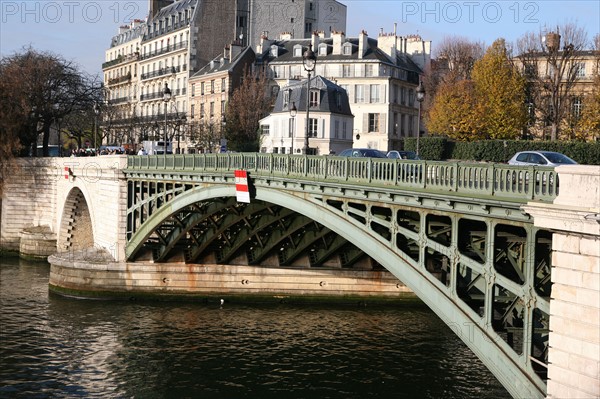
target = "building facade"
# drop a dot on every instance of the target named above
(328, 129)
(380, 78)
(210, 89)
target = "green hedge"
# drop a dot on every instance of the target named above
(440, 148)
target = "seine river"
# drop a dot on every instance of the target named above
(54, 347)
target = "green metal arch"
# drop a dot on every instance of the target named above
(479, 338)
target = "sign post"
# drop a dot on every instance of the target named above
(242, 191)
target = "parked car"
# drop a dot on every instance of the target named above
(362, 152)
(540, 158)
(409, 155)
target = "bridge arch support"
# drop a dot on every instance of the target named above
(510, 368)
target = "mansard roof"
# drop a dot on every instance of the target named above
(221, 64)
(328, 100)
(175, 8)
(372, 53)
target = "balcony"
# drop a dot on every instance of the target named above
(164, 71)
(164, 50)
(121, 59)
(120, 79)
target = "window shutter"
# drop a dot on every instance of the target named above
(383, 123)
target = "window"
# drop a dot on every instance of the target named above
(297, 50)
(577, 107)
(222, 108)
(346, 71)
(359, 94)
(322, 49)
(212, 110)
(312, 127)
(411, 97)
(314, 98)
(201, 111)
(264, 129)
(580, 70)
(403, 95)
(212, 86)
(347, 49)
(338, 99)
(336, 130)
(374, 94)
(286, 98)
(193, 89)
(192, 111)
(202, 88)
(373, 123)
(368, 70)
(222, 85)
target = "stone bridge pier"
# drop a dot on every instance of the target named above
(65, 205)
(574, 341)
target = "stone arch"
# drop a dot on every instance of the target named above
(76, 230)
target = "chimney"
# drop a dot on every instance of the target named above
(387, 43)
(362, 44)
(123, 28)
(321, 34)
(338, 40)
(314, 40)
(285, 36)
(264, 44)
(235, 49)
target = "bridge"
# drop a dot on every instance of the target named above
(510, 263)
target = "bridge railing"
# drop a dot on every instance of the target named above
(473, 179)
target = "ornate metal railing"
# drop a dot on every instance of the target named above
(512, 183)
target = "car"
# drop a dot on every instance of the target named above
(408, 155)
(362, 152)
(540, 158)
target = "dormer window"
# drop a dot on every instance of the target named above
(297, 50)
(314, 98)
(274, 50)
(347, 49)
(322, 49)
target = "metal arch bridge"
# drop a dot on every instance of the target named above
(452, 232)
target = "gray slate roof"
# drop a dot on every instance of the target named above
(328, 101)
(372, 53)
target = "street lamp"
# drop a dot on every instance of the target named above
(96, 113)
(166, 99)
(293, 113)
(420, 98)
(309, 60)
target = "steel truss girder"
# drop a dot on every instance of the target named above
(506, 303)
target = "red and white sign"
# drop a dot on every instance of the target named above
(242, 192)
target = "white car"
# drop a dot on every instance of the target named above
(540, 158)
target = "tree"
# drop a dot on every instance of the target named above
(249, 103)
(550, 63)
(453, 112)
(38, 89)
(455, 59)
(499, 94)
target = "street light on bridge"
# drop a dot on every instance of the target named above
(166, 99)
(293, 113)
(420, 98)
(309, 60)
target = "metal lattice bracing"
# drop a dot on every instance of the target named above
(476, 260)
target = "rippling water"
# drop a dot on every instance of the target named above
(62, 348)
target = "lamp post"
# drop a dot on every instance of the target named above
(293, 113)
(309, 60)
(166, 99)
(420, 98)
(96, 113)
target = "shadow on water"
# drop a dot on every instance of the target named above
(60, 347)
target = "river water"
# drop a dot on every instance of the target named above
(55, 347)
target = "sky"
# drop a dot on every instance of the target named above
(81, 30)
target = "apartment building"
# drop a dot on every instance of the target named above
(379, 75)
(330, 123)
(147, 57)
(210, 89)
